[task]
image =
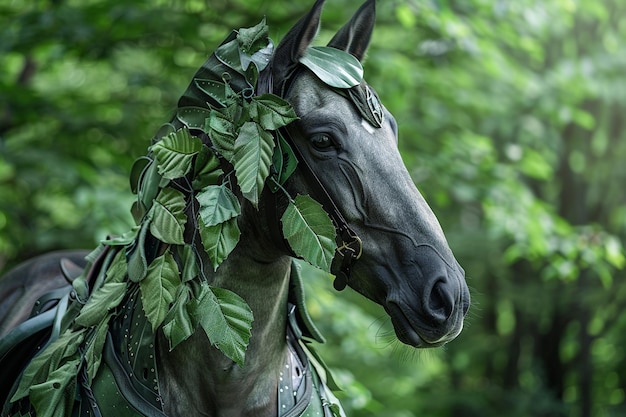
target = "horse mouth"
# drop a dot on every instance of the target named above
(411, 335)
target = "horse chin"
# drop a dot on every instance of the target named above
(408, 334)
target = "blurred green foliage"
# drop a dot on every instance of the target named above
(511, 122)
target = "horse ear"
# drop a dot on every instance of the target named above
(355, 36)
(295, 43)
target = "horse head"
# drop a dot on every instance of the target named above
(348, 143)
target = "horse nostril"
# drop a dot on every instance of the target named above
(440, 303)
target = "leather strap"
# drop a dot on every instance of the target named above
(123, 381)
(296, 382)
(24, 330)
(351, 246)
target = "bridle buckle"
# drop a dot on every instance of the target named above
(346, 248)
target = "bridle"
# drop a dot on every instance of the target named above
(350, 245)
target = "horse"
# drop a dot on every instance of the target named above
(117, 332)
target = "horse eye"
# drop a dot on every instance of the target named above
(322, 141)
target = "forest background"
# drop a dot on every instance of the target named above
(512, 125)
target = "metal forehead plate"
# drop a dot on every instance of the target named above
(375, 107)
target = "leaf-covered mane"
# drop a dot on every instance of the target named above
(216, 154)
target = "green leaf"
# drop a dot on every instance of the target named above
(322, 369)
(192, 117)
(168, 217)
(219, 240)
(93, 352)
(260, 59)
(159, 287)
(178, 324)
(221, 131)
(207, 169)
(118, 269)
(255, 47)
(55, 396)
(49, 359)
(333, 66)
(164, 130)
(122, 240)
(229, 54)
(310, 232)
(614, 252)
(284, 162)
(137, 171)
(174, 153)
(226, 319)
(95, 254)
(252, 160)
(203, 307)
(190, 264)
(253, 39)
(271, 111)
(217, 204)
(535, 165)
(137, 261)
(214, 89)
(148, 189)
(336, 410)
(103, 300)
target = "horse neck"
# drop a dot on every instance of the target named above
(196, 374)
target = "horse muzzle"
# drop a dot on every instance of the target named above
(429, 300)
